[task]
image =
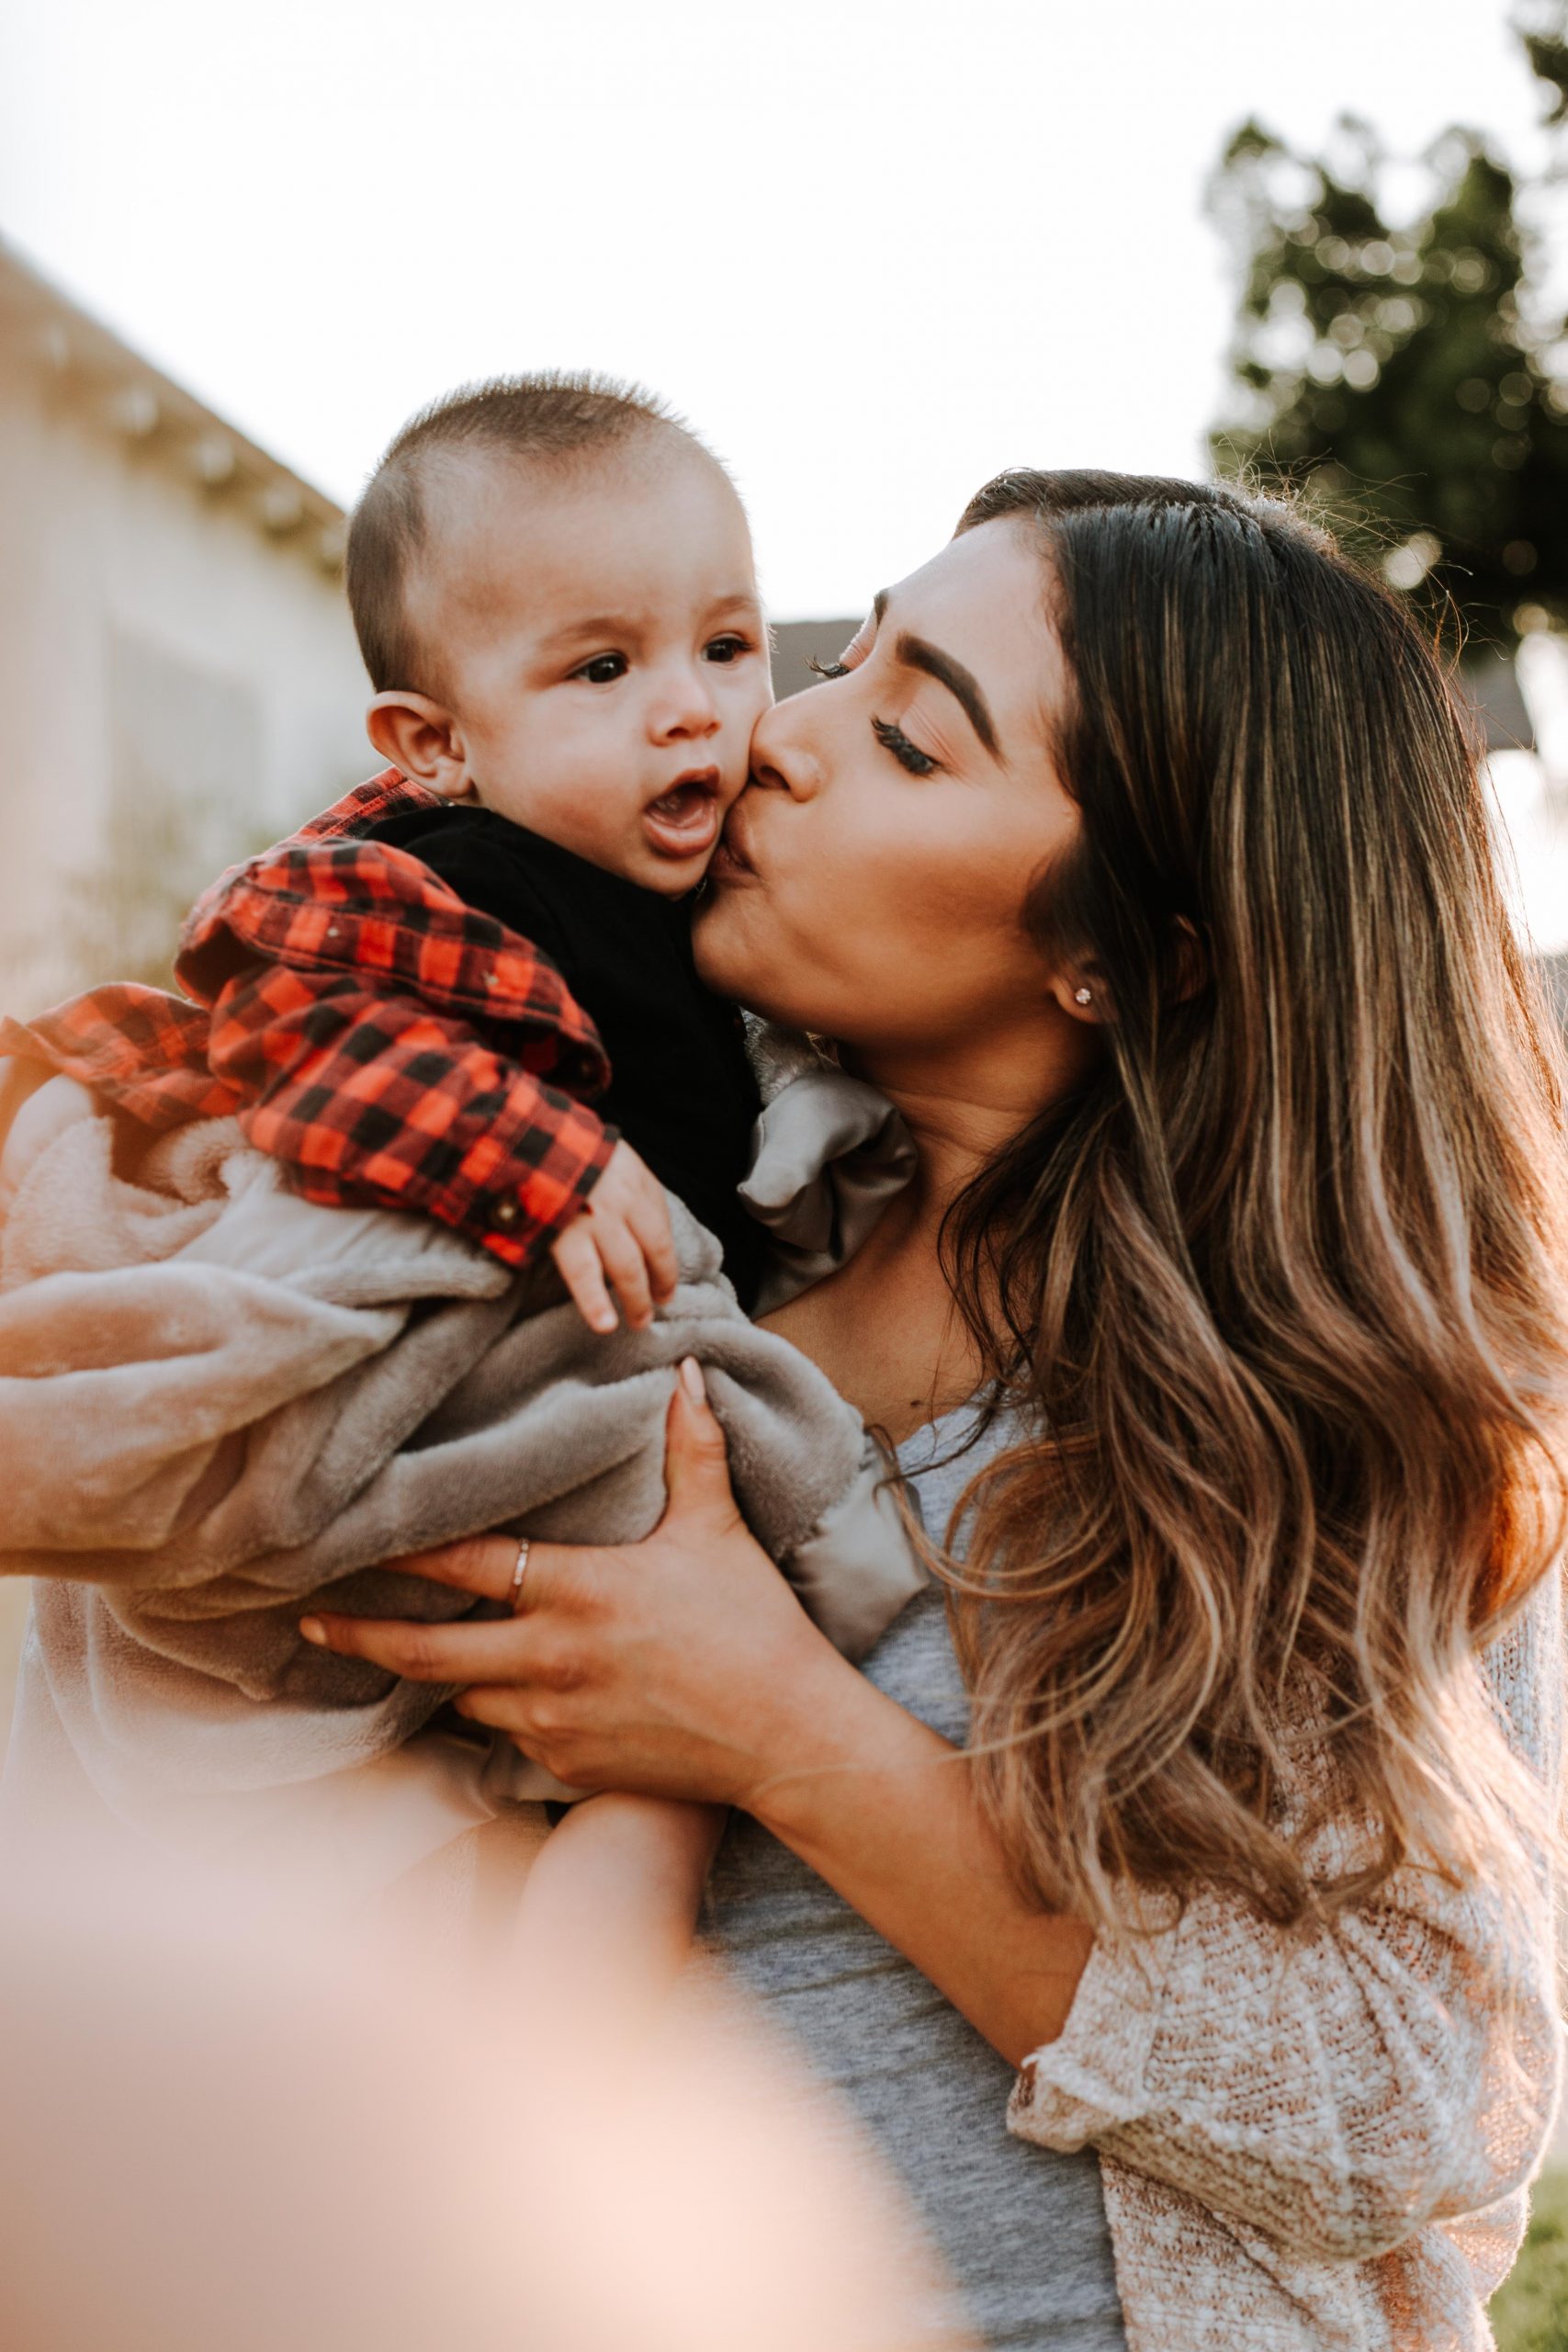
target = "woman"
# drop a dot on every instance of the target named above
(1137, 852)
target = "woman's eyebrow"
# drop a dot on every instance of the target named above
(915, 653)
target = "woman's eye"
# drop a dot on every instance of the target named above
(909, 756)
(827, 668)
(604, 670)
(725, 648)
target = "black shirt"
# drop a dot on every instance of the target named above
(681, 1091)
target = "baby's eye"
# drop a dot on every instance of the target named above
(726, 648)
(604, 670)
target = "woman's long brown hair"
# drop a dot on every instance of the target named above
(1280, 1289)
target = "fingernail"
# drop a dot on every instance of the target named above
(692, 1380)
(314, 1631)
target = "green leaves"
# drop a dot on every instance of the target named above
(1393, 370)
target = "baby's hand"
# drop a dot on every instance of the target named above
(622, 1237)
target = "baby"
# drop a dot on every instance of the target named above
(553, 587)
(554, 592)
(467, 992)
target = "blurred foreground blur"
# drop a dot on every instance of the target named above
(229, 2133)
(14, 1603)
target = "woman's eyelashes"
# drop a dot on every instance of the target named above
(892, 739)
(908, 756)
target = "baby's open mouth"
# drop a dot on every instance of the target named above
(685, 821)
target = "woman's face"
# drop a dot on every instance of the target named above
(873, 878)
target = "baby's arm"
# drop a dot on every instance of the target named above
(606, 1919)
(366, 1095)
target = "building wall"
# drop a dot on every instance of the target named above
(178, 684)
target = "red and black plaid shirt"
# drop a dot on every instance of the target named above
(385, 1043)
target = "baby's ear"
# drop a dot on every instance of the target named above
(422, 738)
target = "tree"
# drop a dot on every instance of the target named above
(1400, 375)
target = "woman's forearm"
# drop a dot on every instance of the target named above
(885, 1810)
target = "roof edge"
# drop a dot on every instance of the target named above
(127, 395)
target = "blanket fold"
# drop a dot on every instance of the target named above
(220, 1405)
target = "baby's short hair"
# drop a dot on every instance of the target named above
(552, 417)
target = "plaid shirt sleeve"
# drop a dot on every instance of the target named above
(385, 1043)
(375, 1096)
(139, 1049)
(388, 1045)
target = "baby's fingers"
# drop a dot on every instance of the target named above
(650, 1221)
(576, 1253)
(621, 1255)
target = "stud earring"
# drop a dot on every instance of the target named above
(1083, 995)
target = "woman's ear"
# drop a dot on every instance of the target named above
(1080, 993)
(424, 739)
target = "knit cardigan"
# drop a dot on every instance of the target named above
(1322, 2139)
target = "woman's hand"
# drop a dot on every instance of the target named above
(680, 1666)
(684, 1667)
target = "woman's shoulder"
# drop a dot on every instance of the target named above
(1524, 1671)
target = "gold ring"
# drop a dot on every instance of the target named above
(524, 1546)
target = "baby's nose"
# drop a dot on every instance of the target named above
(688, 707)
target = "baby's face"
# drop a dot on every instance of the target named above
(601, 646)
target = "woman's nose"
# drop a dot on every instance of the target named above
(781, 761)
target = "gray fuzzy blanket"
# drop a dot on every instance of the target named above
(219, 1405)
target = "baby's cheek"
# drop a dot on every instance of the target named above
(749, 707)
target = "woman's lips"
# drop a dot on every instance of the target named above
(730, 863)
(685, 821)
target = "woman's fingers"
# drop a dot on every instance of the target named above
(503, 1705)
(696, 1457)
(535, 1728)
(483, 1565)
(470, 1651)
(463, 1653)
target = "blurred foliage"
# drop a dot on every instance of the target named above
(1402, 375)
(1529, 2311)
(122, 918)
(1543, 28)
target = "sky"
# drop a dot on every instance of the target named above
(876, 251)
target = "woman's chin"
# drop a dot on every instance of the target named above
(725, 942)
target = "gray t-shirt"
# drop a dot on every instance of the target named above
(1022, 2230)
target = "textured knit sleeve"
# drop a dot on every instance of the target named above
(1338, 2088)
